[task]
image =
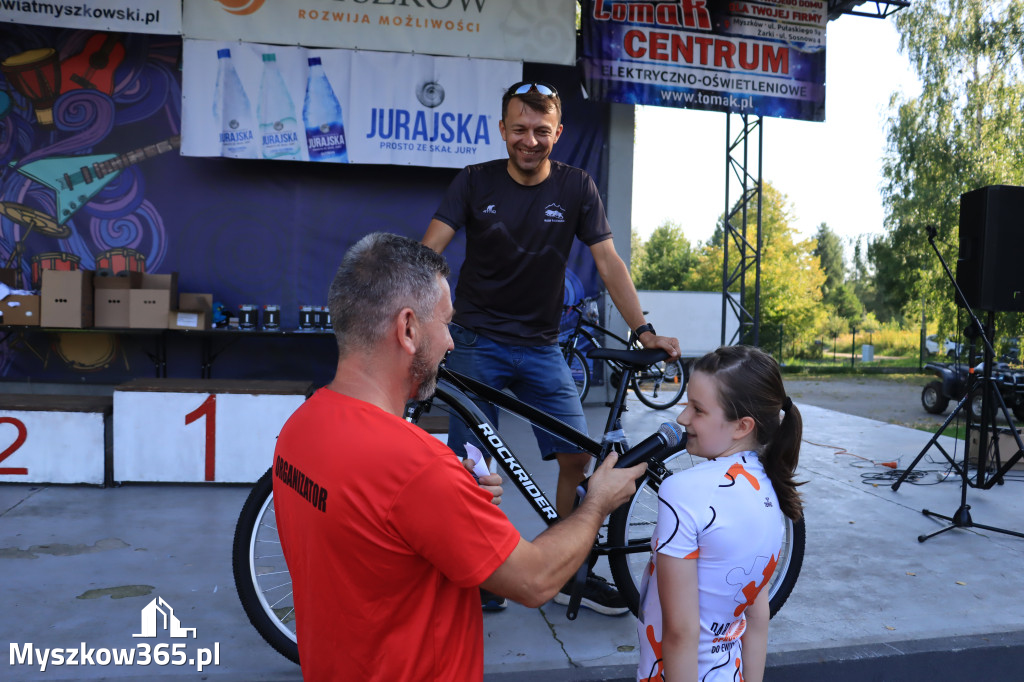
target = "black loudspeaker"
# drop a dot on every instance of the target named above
(989, 269)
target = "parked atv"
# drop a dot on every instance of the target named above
(952, 385)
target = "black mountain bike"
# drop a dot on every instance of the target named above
(261, 575)
(659, 385)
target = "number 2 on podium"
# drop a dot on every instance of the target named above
(18, 442)
(209, 410)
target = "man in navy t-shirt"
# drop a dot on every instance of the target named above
(521, 217)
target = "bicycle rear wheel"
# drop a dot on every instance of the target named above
(633, 523)
(661, 385)
(261, 576)
(580, 373)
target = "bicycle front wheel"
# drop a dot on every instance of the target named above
(634, 522)
(580, 373)
(261, 575)
(661, 385)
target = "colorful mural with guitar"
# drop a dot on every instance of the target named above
(65, 202)
(75, 180)
(91, 178)
(95, 65)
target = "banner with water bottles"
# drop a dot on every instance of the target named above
(248, 100)
(541, 30)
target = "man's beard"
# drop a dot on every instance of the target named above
(424, 373)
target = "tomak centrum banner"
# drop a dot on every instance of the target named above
(534, 30)
(248, 100)
(137, 16)
(763, 57)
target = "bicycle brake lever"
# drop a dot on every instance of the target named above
(657, 470)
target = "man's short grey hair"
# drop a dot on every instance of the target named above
(380, 275)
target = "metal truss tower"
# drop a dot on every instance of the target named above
(877, 9)
(739, 255)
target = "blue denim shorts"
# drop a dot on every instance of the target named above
(537, 375)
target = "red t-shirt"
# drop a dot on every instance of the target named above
(387, 537)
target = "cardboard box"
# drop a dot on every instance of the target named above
(149, 305)
(195, 302)
(10, 277)
(1007, 448)
(188, 319)
(20, 309)
(111, 299)
(67, 299)
(195, 311)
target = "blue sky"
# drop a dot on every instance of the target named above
(830, 171)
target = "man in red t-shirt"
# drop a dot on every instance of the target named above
(386, 536)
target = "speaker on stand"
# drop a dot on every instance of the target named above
(989, 279)
(988, 268)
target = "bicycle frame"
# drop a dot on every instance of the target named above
(572, 341)
(453, 387)
(495, 447)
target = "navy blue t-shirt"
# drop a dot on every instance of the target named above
(518, 240)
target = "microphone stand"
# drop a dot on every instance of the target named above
(961, 518)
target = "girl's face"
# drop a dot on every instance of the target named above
(709, 433)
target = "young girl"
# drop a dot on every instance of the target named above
(703, 612)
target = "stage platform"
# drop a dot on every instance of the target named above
(872, 603)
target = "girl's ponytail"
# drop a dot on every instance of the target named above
(750, 385)
(780, 458)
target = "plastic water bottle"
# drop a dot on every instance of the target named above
(279, 129)
(232, 112)
(325, 130)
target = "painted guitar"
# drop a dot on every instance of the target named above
(94, 66)
(77, 179)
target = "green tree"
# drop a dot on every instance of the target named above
(865, 287)
(637, 257)
(835, 291)
(829, 328)
(963, 132)
(666, 258)
(829, 250)
(791, 276)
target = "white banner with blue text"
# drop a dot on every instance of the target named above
(537, 30)
(136, 16)
(247, 100)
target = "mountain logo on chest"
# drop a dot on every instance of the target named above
(553, 213)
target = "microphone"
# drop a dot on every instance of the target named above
(669, 438)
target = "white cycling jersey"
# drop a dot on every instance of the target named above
(724, 514)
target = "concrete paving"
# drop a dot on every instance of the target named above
(872, 603)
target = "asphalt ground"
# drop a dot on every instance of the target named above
(889, 398)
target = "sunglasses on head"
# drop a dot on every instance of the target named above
(542, 88)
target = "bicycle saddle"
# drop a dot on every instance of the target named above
(633, 359)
